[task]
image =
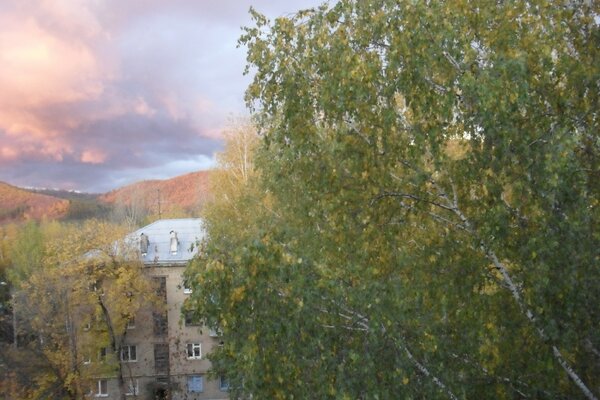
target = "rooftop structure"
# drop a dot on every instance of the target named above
(189, 232)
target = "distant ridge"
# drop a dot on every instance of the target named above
(18, 205)
(185, 192)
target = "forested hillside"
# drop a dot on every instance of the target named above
(179, 196)
(185, 193)
(18, 204)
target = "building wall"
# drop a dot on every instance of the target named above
(178, 336)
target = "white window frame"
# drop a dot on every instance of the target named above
(186, 288)
(192, 378)
(215, 332)
(131, 323)
(126, 355)
(196, 351)
(99, 391)
(133, 387)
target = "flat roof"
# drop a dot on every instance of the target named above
(190, 231)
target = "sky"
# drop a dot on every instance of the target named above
(97, 94)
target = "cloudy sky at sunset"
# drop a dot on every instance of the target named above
(96, 94)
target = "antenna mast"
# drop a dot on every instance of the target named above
(158, 201)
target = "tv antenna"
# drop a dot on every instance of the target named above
(158, 201)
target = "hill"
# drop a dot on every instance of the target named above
(18, 204)
(181, 195)
(185, 193)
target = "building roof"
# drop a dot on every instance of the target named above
(190, 232)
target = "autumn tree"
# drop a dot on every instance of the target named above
(77, 306)
(433, 171)
(25, 253)
(132, 208)
(234, 178)
(6, 333)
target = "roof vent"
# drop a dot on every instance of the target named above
(144, 243)
(174, 242)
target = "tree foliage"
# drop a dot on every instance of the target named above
(72, 307)
(423, 222)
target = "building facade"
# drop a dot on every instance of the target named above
(164, 354)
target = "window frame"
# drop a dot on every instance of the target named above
(187, 289)
(126, 349)
(191, 349)
(161, 358)
(132, 389)
(224, 383)
(191, 378)
(99, 392)
(188, 319)
(215, 333)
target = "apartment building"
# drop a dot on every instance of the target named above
(164, 354)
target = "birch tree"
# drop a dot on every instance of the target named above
(433, 171)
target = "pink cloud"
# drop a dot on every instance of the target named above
(8, 153)
(93, 156)
(37, 67)
(46, 60)
(83, 82)
(141, 107)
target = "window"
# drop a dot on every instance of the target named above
(223, 383)
(214, 332)
(131, 323)
(102, 354)
(161, 358)
(128, 353)
(162, 381)
(102, 388)
(190, 320)
(194, 351)
(186, 288)
(86, 360)
(161, 323)
(133, 388)
(195, 384)
(160, 283)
